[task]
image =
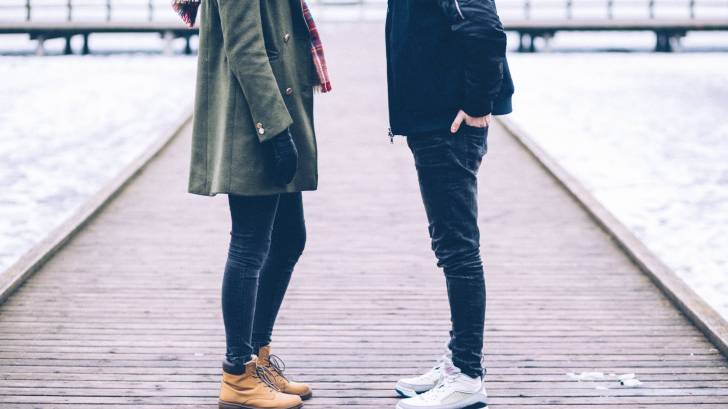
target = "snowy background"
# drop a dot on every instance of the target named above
(69, 124)
(646, 133)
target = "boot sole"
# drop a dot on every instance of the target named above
(228, 405)
(307, 396)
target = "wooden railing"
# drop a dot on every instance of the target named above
(151, 10)
(67, 10)
(606, 8)
(668, 19)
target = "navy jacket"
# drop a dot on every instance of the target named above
(443, 56)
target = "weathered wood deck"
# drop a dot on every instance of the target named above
(127, 315)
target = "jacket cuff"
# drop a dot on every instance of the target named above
(477, 108)
(270, 125)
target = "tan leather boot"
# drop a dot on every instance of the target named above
(276, 367)
(249, 391)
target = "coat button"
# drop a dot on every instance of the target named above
(289, 91)
(260, 128)
(286, 37)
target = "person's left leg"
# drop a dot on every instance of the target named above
(287, 243)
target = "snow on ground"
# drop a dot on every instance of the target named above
(648, 135)
(70, 124)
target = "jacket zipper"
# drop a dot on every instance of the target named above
(457, 7)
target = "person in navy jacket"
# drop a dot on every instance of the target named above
(447, 77)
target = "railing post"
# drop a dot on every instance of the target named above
(651, 6)
(692, 9)
(69, 7)
(527, 9)
(108, 10)
(150, 6)
(610, 9)
(168, 37)
(40, 49)
(85, 50)
(27, 10)
(569, 12)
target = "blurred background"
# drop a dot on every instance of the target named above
(630, 96)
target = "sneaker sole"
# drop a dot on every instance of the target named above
(473, 405)
(405, 393)
(228, 405)
(408, 392)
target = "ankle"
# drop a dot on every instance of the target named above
(235, 365)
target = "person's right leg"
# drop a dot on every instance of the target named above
(447, 167)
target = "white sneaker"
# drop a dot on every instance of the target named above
(455, 391)
(409, 387)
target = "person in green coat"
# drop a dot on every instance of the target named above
(253, 139)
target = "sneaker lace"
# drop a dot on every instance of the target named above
(436, 393)
(435, 371)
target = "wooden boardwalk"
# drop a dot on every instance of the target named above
(127, 315)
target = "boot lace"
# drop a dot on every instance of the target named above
(267, 377)
(278, 366)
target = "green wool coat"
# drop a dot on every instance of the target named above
(255, 78)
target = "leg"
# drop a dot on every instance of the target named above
(288, 242)
(447, 167)
(86, 50)
(252, 223)
(67, 50)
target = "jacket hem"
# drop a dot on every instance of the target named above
(212, 193)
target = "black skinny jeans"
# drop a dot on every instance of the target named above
(268, 236)
(447, 167)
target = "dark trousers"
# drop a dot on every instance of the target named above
(268, 236)
(447, 167)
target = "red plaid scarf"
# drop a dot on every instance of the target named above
(317, 50)
(187, 9)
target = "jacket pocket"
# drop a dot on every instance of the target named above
(458, 9)
(453, 10)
